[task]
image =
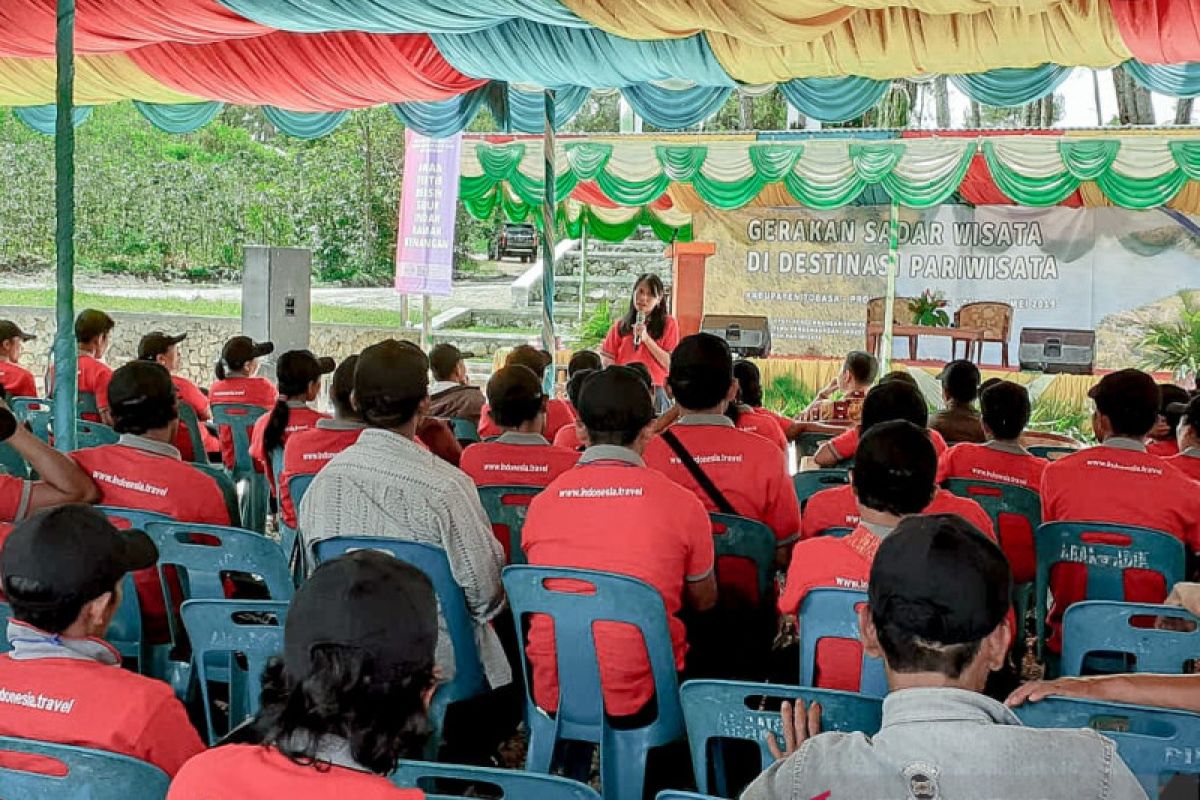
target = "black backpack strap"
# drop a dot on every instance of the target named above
(697, 473)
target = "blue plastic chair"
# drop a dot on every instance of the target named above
(1074, 542)
(85, 403)
(503, 784)
(131, 517)
(1101, 626)
(720, 710)
(827, 613)
(580, 715)
(747, 539)
(465, 431)
(191, 424)
(1052, 452)
(811, 481)
(675, 794)
(125, 630)
(5, 616)
(11, 462)
(469, 680)
(506, 507)
(228, 490)
(93, 434)
(34, 411)
(836, 532)
(289, 538)
(1156, 743)
(239, 418)
(91, 774)
(219, 629)
(807, 444)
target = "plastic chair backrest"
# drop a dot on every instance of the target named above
(85, 403)
(276, 457)
(675, 794)
(828, 613)
(837, 532)
(218, 629)
(90, 774)
(747, 539)
(1102, 626)
(608, 598)
(502, 784)
(1051, 452)
(289, 538)
(131, 517)
(1105, 551)
(734, 710)
(11, 462)
(811, 481)
(34, 411)
(93, 434)
(1156, 743)
(228, 490)
(998, 500)
(125, 631)
(190, 423)
(465, 431)
(468, 680)
(239, 418)
(506, 507)
(807, 444)
(297, 486)
(5, 616)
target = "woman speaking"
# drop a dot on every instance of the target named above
(645, 335)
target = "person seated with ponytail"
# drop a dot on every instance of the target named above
(571, 436)
(238, 382)
(751, 393)
(299, 375)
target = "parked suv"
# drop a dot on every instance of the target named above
(515, 240)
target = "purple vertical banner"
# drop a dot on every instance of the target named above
(425, 238)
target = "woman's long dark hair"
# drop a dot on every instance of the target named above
(750, 390)
(656, 323)
(382, 717)
(281, 413)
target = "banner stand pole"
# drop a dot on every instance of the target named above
(889, 302)
(426, 321)
(403, 311)
(549, 201)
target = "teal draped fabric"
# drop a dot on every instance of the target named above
(542, 55)
(179, 118)
(442, 118)
(833, 99)
(43, 118)
(304, 125)
(513, 109)
(671, 109)
(399, 16)
(527, 113)
(1011, 87)
(1176, 80)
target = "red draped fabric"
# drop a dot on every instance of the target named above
(589, 193)
(106, 26)
(1160, 31)
(308, 72)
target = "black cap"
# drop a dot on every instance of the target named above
(1189, 410)
(939, 578)
(443, 359)
(615, 400)
(391, 372)
(241, 350)
(296, 369)
(156, 343)
(73, 551)
(10, 330)
(140, 386)
(529, 356)
(92, 323)
(366, 600)
(1172, 398)
(1128, 394)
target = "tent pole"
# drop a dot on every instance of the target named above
(548, 204)
(583, 237)
(65, 352)
(889, 302)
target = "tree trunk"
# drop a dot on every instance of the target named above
(976, 115)
(1048, 111)
(941, 96)
(1096, 92)
(746, 110)
(368, 191)
(1133, 100)
(1183, 110)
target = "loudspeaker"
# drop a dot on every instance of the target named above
(1053, 350)
(276, 299)
(746, 336)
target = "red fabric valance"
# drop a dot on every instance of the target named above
(1160, 31)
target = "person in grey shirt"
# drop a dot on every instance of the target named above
(937, 615)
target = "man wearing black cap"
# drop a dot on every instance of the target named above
(1119, 482)
(15, 379)
(938, 599)
(612, 513)
(386, 484)
(959, 421)
(93, 332)
(62, 682)
(521, 456)
(1187, 433)
(162, 348)
(348, 699)
(452, 394)
(558, 412)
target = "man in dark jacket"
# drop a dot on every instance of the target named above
(451, 395)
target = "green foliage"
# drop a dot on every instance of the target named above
(1059, 417)
(930, 309)
(595, 328)
(787, 395)
(1175, 345)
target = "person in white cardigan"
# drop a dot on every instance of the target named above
(389, 485)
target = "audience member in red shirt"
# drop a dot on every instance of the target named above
(1118, 482)
(558, 412)
(348, 699)
(93, 333)
(842, 446)
(15, 379)
(521, 456)
(62, 576)
(163, 349)
(893, 477)
(1188, 460)
(1162, 440)
(306, 452)
(858, 373)
(298, 374)
(569, 436)
(60, 480)
(238, 383)
(750, 392)
(614, 514)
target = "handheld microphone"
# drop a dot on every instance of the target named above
(637, 337)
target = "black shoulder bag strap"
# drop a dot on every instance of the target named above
(697, 473)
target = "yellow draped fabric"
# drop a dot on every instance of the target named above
(773, 195)
(1187, 201)
(899, 42)
(98, 79)
(762, 22)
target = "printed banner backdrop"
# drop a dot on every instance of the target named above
(429, 196)
(811, 273)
